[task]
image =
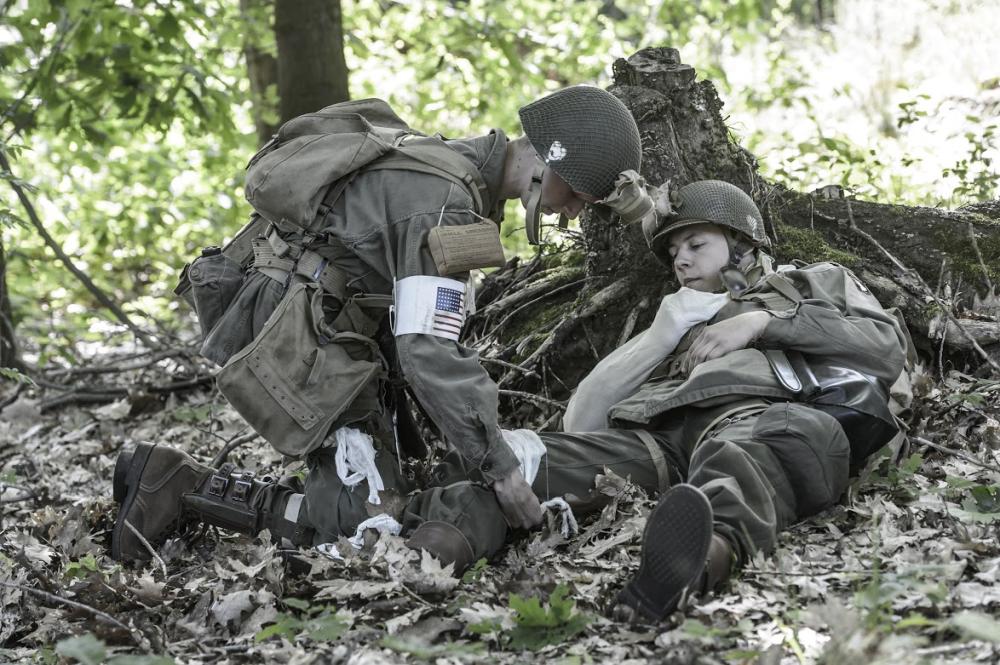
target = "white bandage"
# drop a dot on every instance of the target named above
(355, 460)
(528, 448)
(569, 525)
(430, 306)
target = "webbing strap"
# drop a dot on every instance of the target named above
(656, 456)
(784, 287)
(310, 265)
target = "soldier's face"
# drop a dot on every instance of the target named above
(699, 253)
(559, 198)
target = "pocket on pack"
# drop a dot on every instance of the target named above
(298, 376)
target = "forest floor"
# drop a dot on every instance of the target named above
(906, 569)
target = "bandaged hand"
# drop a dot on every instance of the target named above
(681, 311)
(724, 337)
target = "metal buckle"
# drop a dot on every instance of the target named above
(242, 486)
(217, 485)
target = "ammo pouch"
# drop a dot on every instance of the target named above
(215, 279)
(299, 375)
(856, 400)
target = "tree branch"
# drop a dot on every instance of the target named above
(68, 262)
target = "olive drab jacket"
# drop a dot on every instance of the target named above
(382, 219)
(821, 310)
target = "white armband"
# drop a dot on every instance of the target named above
(430, 306)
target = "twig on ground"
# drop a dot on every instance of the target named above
(947, 310)
(232, 445)
(103, 616)
(534, 398)
(149, 548)
(504, 363)
(116, 368)
(79, 396)
(26, 493)
(957, 453)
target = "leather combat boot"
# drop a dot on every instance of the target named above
(445, 542)
(149, 484)
(160, 490)
(675, 554)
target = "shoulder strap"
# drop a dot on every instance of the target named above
(431, 155)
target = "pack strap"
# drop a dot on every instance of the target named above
(309, 264)
(657, 457)
(784, 287)
(431, 155)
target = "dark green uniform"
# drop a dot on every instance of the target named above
(731, 428)
(382, 220)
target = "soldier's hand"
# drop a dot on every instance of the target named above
(519, 504)
(723, 337)
(681, 310)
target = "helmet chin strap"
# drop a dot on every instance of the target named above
(732, 277)
(533, 210)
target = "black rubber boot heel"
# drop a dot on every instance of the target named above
(120, 483)
(674, 550)
(128, 472)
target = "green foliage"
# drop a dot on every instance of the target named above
(320, 623)
(475, 572)
(11, 374)
(539, 626)
(977, 178)
(88, 650)
(82, 567)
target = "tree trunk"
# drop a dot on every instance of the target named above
(554, 317)
(8, 342)
(311, 68)
(262, 66)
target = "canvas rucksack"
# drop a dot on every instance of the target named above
(296, 343)
(312, 159)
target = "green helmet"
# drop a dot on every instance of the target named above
(712, 201)
(586, 135)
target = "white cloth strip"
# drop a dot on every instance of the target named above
(292, 508)
(528, 448)
(569, 526)
(355, 459)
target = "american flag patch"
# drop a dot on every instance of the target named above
(449, 311)
(428, 305)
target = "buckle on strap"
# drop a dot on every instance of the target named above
(242, 487)
(219, 481)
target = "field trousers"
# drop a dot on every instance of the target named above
(760, 472)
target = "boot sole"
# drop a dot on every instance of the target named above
(675, 546)
(128, 472)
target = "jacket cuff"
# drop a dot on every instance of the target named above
(778, 331)
(499, 461)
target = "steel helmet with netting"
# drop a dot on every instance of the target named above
(586, 135)
(713, 201)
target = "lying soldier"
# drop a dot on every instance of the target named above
(763, 412)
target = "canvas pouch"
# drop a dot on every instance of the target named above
(298, 375)
(458, 249)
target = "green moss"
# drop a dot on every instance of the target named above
(954, 242)
(536, 321)
(811, 247)
(573, 258)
